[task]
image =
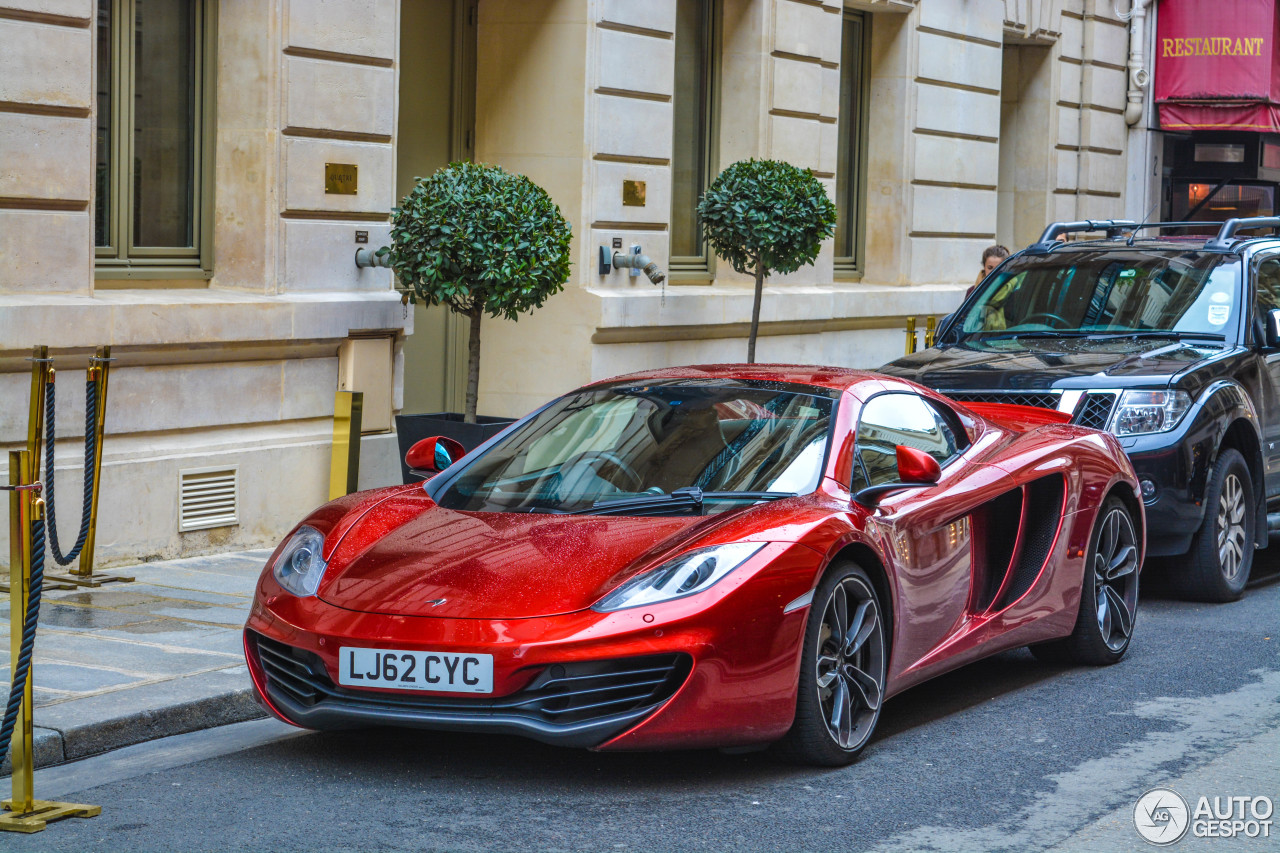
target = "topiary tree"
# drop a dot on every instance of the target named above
(766, 216)
(480, 240)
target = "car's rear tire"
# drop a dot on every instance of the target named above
(1217, 566)
(1108, 593)
(842, 681)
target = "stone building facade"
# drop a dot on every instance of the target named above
(163, 190)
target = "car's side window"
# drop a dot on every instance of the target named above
(888, 420)
(1267, 285)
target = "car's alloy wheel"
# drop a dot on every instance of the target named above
(1231, 536)
(850, 663)
(842, 671)
(1108, 593)
(1221, 554)
(1115, 578)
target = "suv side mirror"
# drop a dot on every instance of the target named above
(916, 469)
(1271, 332)
(432, 455)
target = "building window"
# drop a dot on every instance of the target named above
(693, 160)
(152, 207)
(851, 157)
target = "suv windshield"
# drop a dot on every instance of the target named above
(1103, 293)
(602, 444)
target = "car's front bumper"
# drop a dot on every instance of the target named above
(683, 674)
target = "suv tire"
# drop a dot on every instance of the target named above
(1221, 554)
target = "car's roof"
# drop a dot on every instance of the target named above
(835, 378)
(1167, 243)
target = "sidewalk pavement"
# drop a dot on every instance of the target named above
(130, 662)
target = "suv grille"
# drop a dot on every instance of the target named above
(1095, 410)
(560, 695)
(1039, 399)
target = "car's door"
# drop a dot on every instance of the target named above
(925, 532)
(1266, 297)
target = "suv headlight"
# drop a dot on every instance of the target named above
(300, 567)
(1142, 412)
(687, 574)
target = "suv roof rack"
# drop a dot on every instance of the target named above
(1227, 233)
(1049, 239)
(1225, 239)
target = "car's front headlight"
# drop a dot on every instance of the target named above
(300, 566)
(1142, 412)
(687, 574)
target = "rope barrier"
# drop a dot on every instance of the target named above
(90, 449)
(22, 666)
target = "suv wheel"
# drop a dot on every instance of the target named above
(1221, 554)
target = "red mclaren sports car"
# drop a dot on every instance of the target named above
(726, 556)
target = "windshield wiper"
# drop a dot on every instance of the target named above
(1158, 333)
(1036, 333)
(689, 497)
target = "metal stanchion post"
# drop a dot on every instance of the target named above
(344, 466)
(930, 329)
(911, 335)
(24, 813)
(99, 368)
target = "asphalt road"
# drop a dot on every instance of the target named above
(1007, 754)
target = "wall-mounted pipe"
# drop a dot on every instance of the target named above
(1139, 77)
(634, 261)
(366, 258)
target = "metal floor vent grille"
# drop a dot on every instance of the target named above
(1022, 398)
(207, 497)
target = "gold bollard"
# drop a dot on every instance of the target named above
(23, 812)
(911, 335)
(930, 329)
(344, 466)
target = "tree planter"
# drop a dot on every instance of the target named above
(410, 429)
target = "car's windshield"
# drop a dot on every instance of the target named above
(620, 441)
(1106, 292)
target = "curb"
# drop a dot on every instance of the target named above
(70, 731)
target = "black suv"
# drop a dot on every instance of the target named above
(1170, 342)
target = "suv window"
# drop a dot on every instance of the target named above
(1105, 292)
(888, 420)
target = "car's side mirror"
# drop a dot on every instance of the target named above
(1271, 334)
(432, 455)
(916, 469)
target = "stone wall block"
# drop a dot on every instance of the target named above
(633, 127)
(635, 63)
(962, 161)
(355, 27)
(650, 15)
(957, 111)
(799, 29)
(45, 157)
(320, 256)
(944, 210)
(954, 61)
(1107, 41)
(46, 64)
(309, 385)
(304, 163)
(607, 181)
(338, 96)
(82, 9)
(983, 19)
(798, 86)
(947, 260)
(796, 140)
(44, 252)
(1105, 87)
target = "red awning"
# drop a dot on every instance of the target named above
(1216, 65)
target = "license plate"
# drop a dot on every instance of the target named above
(405, 670)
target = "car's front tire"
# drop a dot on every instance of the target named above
(842, 671)
(1108, 593)
(1217, 566)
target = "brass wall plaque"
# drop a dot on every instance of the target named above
(339, 179)
(633, 193)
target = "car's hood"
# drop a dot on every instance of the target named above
(411, 557)
(1035, 364)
